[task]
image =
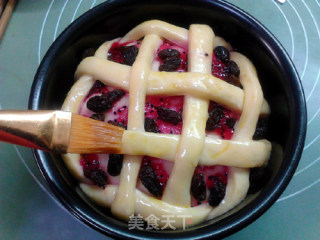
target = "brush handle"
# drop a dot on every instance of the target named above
(45, 130)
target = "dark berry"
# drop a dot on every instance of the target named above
(261, 129)
(98, 176)
(114, 95)
(124, 54)
(217, 193)
(198, 187)
(232, 79)
(118, 124)
(170, 64)
(258, 178)
(233, 74)
(222, 54)
(233, 68)
(165, 53)
(169, 115)
(89, 52)
(96, 87)
(230, 122)
(104, 102)
(99, 104)
(129, 54)
(150, 180)
(98, 116)
(150, 125)
(214, 119)
(115, 164)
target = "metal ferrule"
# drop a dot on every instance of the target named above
(46, 130)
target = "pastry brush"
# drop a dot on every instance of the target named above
(59, 131)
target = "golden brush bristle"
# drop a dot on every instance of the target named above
(91, 136)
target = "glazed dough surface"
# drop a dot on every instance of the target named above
(190, 148)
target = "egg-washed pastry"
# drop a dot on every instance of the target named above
(195, 120)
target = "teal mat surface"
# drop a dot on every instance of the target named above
(27, 208)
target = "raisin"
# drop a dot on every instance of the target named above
(150, 125)
(150, 180)
(89, 52)
(261, 129)
(115, 164)
(96, 87)
(170, 64)
(98, 116)
(99, 104)
(114, 95)
(169, 115)
(232, 79)
(230, 122)
(124, 54)
(258, 178)
(233, 74)
(198, 187)
(217, 193)
(233, 68)
(98, 176)
(222, 54)
(104, 102)
(165, 53)
(129, 54)
(214, 119)
(118, 124)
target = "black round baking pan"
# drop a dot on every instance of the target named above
(279, 80)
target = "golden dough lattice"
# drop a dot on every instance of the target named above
(193, 146)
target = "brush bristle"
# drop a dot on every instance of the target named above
(92, 136)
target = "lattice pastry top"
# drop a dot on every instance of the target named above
(189, 141)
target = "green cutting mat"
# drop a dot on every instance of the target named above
(28, 210)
